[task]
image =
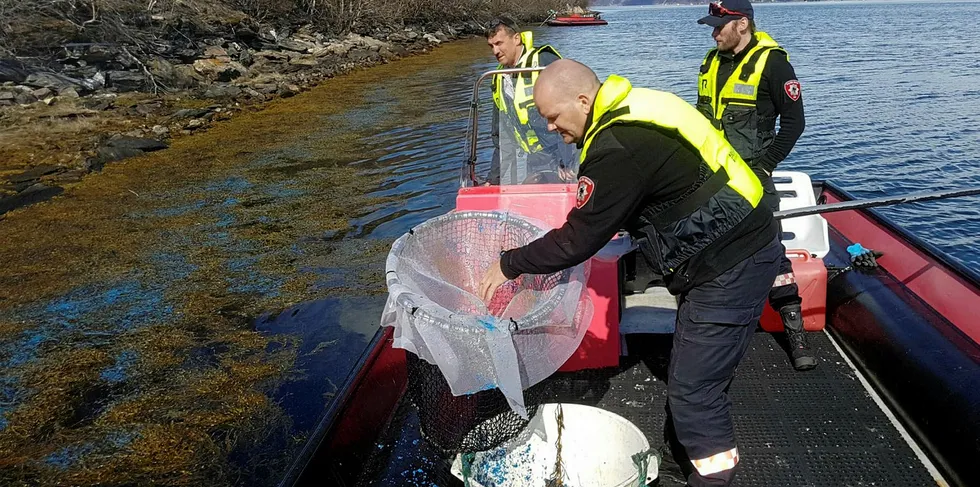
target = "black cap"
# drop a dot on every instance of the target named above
(718, 17)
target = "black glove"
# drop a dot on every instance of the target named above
(862, 258)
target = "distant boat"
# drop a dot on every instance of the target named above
(590, 18)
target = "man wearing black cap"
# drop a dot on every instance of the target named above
(745, 84)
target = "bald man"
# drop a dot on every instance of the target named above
(652, 164)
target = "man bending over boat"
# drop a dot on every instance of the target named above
(745, 84)
(652, 164)
(524, 151)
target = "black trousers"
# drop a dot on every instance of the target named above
(715, 323)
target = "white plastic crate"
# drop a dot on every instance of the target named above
(804, 232)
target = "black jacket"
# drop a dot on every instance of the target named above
(633, 167)
(773, 100)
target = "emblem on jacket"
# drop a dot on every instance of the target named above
(792, 88)
(585, 188)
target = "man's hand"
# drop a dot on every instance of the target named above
(491, 281)
(566, 174)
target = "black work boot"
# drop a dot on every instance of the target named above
(799, 351)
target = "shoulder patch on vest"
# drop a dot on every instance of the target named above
(584, 193)
(793, 89)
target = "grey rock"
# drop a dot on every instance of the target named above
(12, 70)
(266, 88)
(186, 77)
(272, 55)
(35, 173)
(186, 55)
(54, 81)
(304, 61)
(289, 90)
(42, 93)
(219, 70)
(99, 54)
(216, 52)
(246, 34)
(220, 90)
(34, 194)
(106, 154)
(268, 34)
(97, 104)
(189, 113)
(359, 54)
(147, 108)
(387, 54)
(251, 93)
(245, 57)
(68, 177)
(127, 60)
(160, 131)
(8, 96)
(96, 81)
(399, 51)
(196, 124)
(163, 71)
(139, 143)
(126, 80)
(25, 98)
(296, 45)
(331, 60)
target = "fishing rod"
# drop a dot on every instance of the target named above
(875, 202)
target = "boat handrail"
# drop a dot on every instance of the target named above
(468, 177)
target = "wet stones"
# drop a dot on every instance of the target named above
(250, 63)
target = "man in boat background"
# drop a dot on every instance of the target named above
(652, 164)
(524, 150)
(745, 84)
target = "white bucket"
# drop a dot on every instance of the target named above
(599, 449)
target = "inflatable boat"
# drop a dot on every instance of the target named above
(894, 400)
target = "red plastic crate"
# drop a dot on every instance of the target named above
(550, 204)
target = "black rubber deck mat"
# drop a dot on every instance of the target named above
(813, 428)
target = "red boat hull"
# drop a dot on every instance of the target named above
(566, 21)
(908, 327)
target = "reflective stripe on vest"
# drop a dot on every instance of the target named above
(618, 102)
(740, 90)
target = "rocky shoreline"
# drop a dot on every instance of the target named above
(100, 103)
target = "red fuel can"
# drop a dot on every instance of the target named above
(811, 277)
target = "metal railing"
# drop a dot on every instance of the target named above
(469, 169)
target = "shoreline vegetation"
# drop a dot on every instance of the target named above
(85, 83)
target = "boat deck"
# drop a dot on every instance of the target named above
(814, 428)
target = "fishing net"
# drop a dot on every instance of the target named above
(477, 358)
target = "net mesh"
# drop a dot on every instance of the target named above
(460, 424)
(473, 360)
